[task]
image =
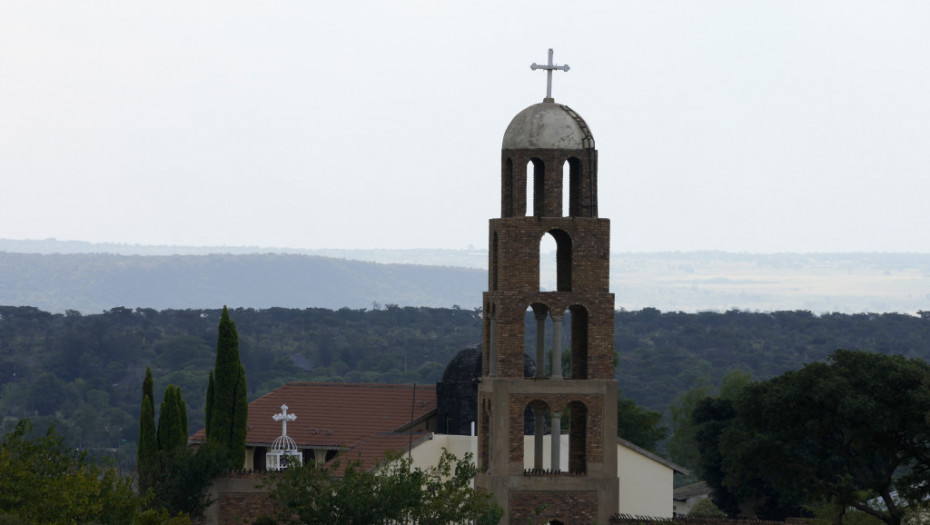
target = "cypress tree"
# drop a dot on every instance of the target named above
(208, 407)
(240, 423)
(172, 437)
(182, 410)
(148, 446)
(229, 411)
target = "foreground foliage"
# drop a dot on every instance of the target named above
(393, 493)
(43, 481)
(852, 433)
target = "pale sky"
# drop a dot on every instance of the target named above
(739, 125)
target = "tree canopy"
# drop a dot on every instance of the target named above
(392, 493)
(638, 425)
(43, 481)
(850, 432)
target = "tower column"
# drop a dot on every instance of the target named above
(556, 434)
(540, 427)
(557, 347)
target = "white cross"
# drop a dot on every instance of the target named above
(548, 67)
(284, 417)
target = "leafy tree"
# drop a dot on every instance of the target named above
(392, 493)
(43, 481)
(638, 425)
(229, 409)
(843, 432)
(682, 445)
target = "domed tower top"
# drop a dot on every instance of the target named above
(556, 143)
(548, 126)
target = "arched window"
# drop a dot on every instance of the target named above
(535, 187)
(563, 261)
(537, 325)
(573, 188)
(548, 263)
(535, 416)
(566, 187)
(579, 342)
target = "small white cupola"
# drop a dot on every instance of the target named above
(283, 451)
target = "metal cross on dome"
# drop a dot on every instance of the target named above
(284, 417)
(548, 67)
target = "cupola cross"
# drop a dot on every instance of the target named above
(549, 68)
(284, 417)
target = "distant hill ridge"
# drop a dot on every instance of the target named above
(91, 277)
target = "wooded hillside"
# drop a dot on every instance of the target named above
(86, 371)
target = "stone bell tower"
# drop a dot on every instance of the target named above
(566, 472)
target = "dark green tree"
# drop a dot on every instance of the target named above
(638, 425)
(180, 488)
(148, 442)
(844, 432)
(208, 407)
(229, 411)
(172, 437)
(43, 481)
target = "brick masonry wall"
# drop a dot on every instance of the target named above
(538, 507)
(238, 498)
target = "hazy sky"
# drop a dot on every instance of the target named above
(759, 126)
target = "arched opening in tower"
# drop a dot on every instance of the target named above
(535, 187)
(566, 190)
(560, 242)
(548, 263)
(579, 342)
(537, 452)
(573, 188)
(537, 324)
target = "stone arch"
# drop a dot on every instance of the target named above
(577, 413)
(579, 341)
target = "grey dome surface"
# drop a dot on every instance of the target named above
(548, 125)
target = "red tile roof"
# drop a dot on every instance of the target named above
(340, 415)
(372, 451)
